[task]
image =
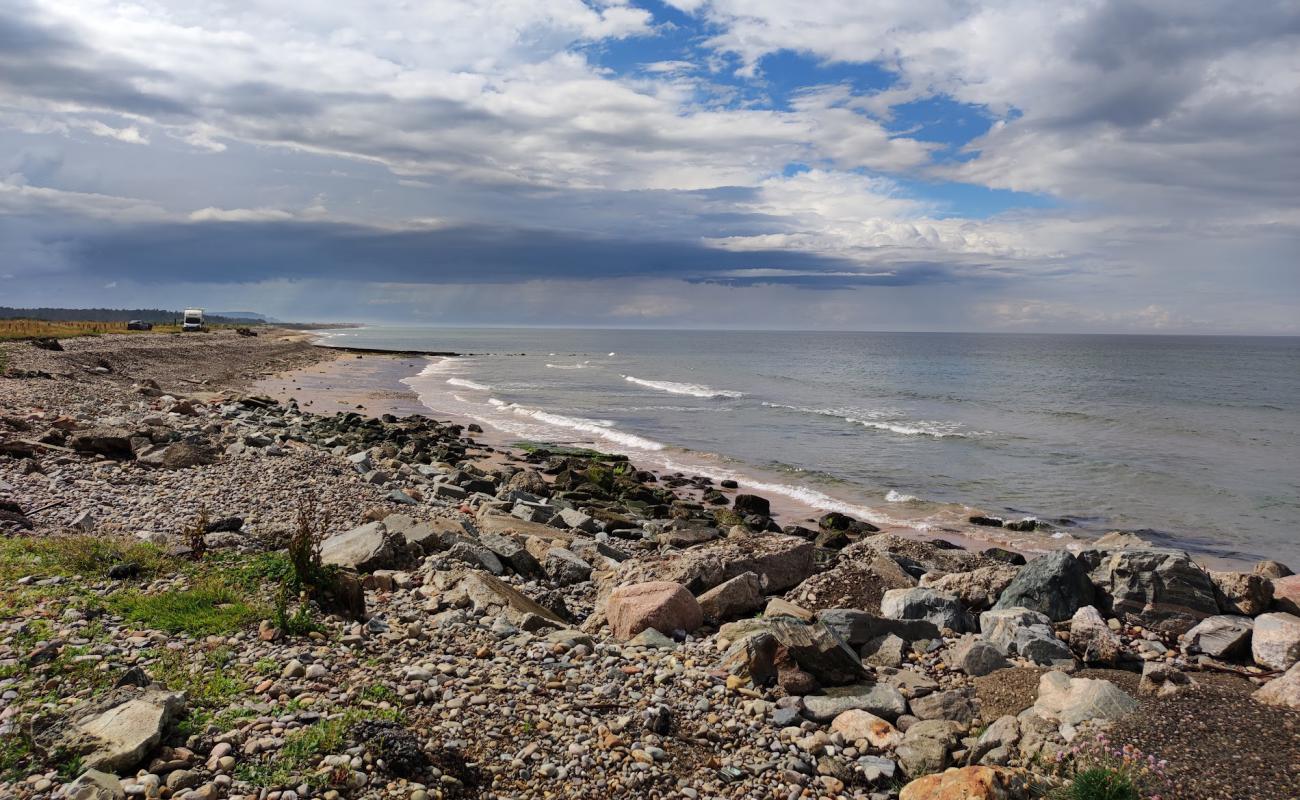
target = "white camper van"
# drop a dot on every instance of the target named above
(193, 320)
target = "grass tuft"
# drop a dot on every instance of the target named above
(209, 608)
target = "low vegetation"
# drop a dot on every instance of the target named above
(38, 328)
(206, 609)
(303, 750)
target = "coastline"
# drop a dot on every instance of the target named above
(374, 382)
(151, 495)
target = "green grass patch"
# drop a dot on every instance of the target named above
(296, 761)
(1102, 783)
(209, 608)
(68, 556)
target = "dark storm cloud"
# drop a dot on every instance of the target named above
(39, 61)
(236, 252)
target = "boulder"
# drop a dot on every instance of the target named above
(476, 555)
(576, 520)
(1070, 701)
(884, 651)
(835, 521)
(944, 610)
(1242, 593)
(968, 783)
(512, 554)
(1286, 594)
(1283, 691)
(115, 734)
(1220, 636)
(429, 536)
(1025, 633)
(995, 746)
(747, 504)
(878, 699)
(925, 746)
(1272, 570)
(527, 480)
(954, 705)
(1055, 584)
(779, 561)
(1092, 640)
(486, 593)
(977, 589)
(976, 657)
(364, 549)
(662, 605)
(1275, 640)
(857, 725)
(741, 595)
(1156, 587)
(565, 567)
(111, 442)
(857, 628)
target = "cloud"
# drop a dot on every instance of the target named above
(967, 152)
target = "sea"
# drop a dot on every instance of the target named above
(1192, 440)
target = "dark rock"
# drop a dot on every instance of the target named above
(859, 627)
(988, 522)
(225, 525)
(46, 343)
(1055, 584)
(400, 749)
(747, 504)
(1005, 556)
(835, 521)
(110, 442)
(124, 571)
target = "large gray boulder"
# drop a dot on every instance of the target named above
(1275, 642)
(1025, 633)
(486, 593)
(565, 567)
(1220, 636)
(944, 610)
(364, 549)
(1055, 584)
(1156, 587)
(753, 645)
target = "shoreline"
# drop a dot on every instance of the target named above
(374, 382)
(367, 385)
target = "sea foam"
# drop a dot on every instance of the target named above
(883, 421)
(692, 389)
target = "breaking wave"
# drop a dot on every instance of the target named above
(692, 389)
(884, 421)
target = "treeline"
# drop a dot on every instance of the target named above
(154, 315)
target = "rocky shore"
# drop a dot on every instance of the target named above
(213, 594)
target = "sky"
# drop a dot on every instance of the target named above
(1096, 166)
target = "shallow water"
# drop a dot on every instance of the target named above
(1197, 438)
